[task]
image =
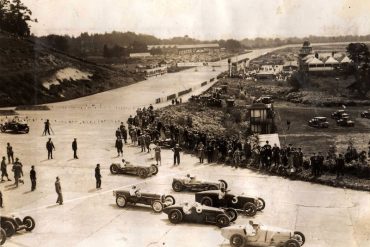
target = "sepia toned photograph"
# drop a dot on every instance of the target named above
(185, 123)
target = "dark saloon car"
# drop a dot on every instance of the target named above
(318, 122)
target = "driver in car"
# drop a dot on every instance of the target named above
(134, 191)
(125, 163)
(221, 193)
(189, 178)
(186, 208)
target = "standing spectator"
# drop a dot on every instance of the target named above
(74, 148)
(288, 124)
(237, 157)
(9, 152)
(210, 152)
(157, 151)
(142, 142)
(314, 165)
(4, 172)
(133, 135)
(33, 178)
(122, 127)
(119, 147)
(276, 155)
(58, 189)
(320, 164)
(300, 158)
(247, 150)
(339, 162)
(98, 176)
(200, 149)
(176, 154)
(50, 147)
(18, 172)
(147, 141)
(118, 133)
(46, 128)
(1, 200)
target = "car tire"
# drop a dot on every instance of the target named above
(260, 204)
(223, 182)
(170, 200)
(157, 206)
(29, 222)
(8, 227)
(121, 201)
(175, 216)
(237, 240)
(113, 169)
(233, 215)
(2, 236)
(300, 238)
(222, 221)
(206, 201)
(142, 173)
(291, 243)
(177, 186)
(155, 168)
(3, 129)
(249, 209)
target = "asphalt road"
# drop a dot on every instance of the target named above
(89, 217)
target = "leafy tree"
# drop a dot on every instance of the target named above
(358, 52)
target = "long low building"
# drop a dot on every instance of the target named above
(184, 49)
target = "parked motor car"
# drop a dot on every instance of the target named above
(193, 184)
(318, 122)
(201, 214)
(15, 127)
(11, 225)
(262, 236)
(216, 198)
(265, 99)
(128, 168)
(338, 114)
(2, 236)
(157, 201)
(345, 122)
(365, 114)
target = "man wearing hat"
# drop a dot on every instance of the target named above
(4, 172)
(58, 189)
(50, 147)
(98, 176)
(176, 154)
(33, 178)
(18, 172)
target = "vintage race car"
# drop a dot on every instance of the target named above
(127, 168)
(2, 236)
(318, 122)
(193, 184)
(15, 127)
(11, 225)
(262, 236)
(249, 205)
(198, 213)
(156, 201)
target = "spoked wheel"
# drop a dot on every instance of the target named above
(233, 215)
(2, 236)
(114, 169)
(142, 173)
(155, 169)
(223, 221)
(177, 186)
(9, 228)
(299, 237)
(237, 240)
(249, 209)
(207, 201)
(121, 201)
(260, 204)
(169, 200)
(175, 216)
(29, 222)
(292, 243)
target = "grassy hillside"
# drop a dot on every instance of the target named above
(24, 65)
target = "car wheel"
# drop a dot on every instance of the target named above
(29, 222)
(155, 169)
(142, 173)
(291, 243)
(207, 201)
(9, 228)
(249, 209)
(157, 206)
(222, 221)
(3, 129)
(223, 184)
(300, 238)
(121, 201)
(169, 200)
(2, 236)
(177, 186)
(237, 240)
(114, 169)
(233, 215)
(175, 216)
(260, 204)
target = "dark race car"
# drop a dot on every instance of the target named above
(15, 127)
(11, 225)
(338, 114)
(318, 122)
(215, 198)
(200, 214)
(365, 114)
(345, 122)
(193, 184)
(127, 168)
(156, 201)
(2, 236)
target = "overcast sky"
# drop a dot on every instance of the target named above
(203, 19)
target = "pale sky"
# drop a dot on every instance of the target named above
(203, 19)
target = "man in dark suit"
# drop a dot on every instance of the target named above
(33, 178)
(74, 148)
(50, 147)
(58, 189)
(98, 176)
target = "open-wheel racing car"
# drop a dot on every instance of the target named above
(191, 183)
(201, 214)
(156, 201)
(2, 236)
(15, 126)
(127, 168)
(216, 198)
(11, 225)
(318, 122)
(262, 236)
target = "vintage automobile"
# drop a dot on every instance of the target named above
(345, 122)
(248, 205)
(318, 122)
(193, 184)
(365, 114)
(198, 213)
(11, 225)
(15, 126)
(265, 99)
(2, 236)
(156, 201)
(127, 168)
(337, 114)
(262, 236)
